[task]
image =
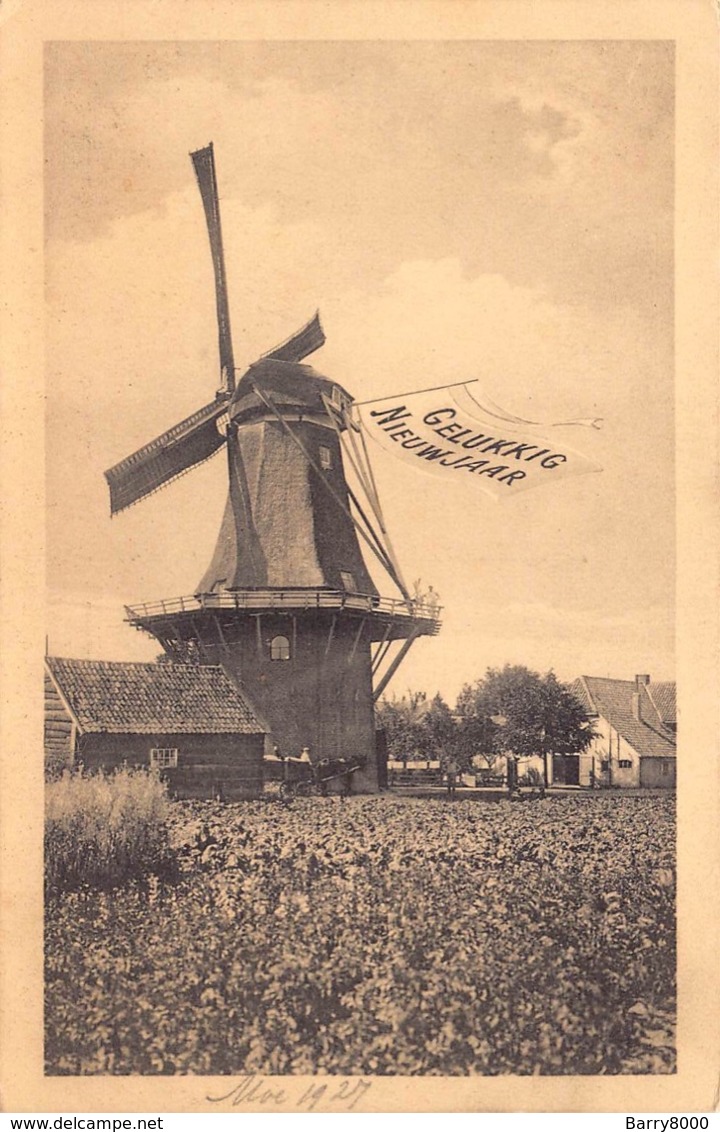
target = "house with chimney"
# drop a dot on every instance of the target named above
(635, 722)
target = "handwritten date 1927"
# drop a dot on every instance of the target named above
(343, 1095)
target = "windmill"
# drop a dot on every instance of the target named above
(287, 606)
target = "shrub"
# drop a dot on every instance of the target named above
(56, 763)
(103, 830)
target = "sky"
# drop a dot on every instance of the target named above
(456, 210)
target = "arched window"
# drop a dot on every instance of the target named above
(279, 648)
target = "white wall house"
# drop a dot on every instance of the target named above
(635, 721)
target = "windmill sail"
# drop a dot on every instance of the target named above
(164, 459)
(305, 342)
(197, 437)
(447, 434)
(204, 163)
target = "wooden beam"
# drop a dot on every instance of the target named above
(377, 658)
(388, 629)
(377, 507)
(389, 566)
(63, 698)
(395, 664)
(331, 634)
(356, 642)
(199, 641)
(368, 486)
(221, 635)
(57, 714)
(380, 655)
(177, 638)
(258, 634)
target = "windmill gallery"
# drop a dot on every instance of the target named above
(287, 614)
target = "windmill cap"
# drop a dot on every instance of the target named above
(289, 385)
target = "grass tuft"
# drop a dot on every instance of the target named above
(105, 830)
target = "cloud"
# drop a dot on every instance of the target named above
(448, 228)
(433, 321)
(132, 349)
(570, 643)
(536, 161)
(94, 629)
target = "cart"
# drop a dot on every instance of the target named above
(315, 780)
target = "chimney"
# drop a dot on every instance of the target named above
(636, 705)
(640, 680)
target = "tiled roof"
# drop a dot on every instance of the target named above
(613, 700)
(581, 693)
(663, 696)
(119, 697)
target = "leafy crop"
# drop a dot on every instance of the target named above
(379, 936)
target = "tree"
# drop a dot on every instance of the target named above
(416, 727)
(440, 731)
(478, 733)
(401, 719)
(540, 715)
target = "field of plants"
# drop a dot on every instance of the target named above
(378, 935)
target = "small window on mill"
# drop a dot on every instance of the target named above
(161, 758)
(325, 457)
(279, 648)
(348, 581)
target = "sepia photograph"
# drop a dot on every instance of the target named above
(367, 829)
(363, 567)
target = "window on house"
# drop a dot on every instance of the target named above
(325, 457)
(604, 764)
(348, 581)
(625, 764)
(163, 757)
(279, 648)
(664, 768)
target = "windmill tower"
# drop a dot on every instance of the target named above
(287, 606)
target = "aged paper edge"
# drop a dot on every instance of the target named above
(24, 28)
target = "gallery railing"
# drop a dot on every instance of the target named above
(291, 599)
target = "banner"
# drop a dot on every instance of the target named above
(448, 432)
(472, 399)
